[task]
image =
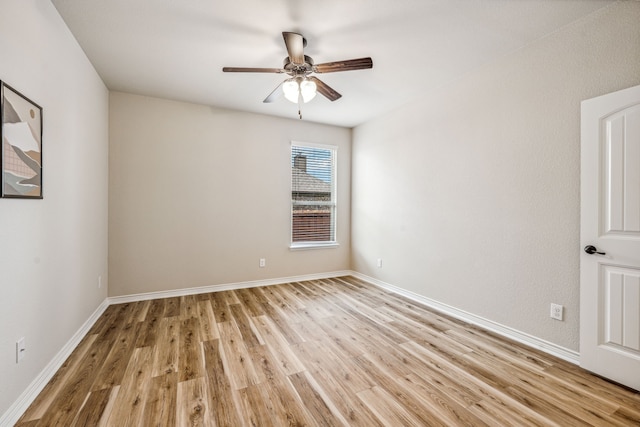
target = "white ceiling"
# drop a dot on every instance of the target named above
(176, 49)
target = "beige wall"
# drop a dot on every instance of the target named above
(471, 195)
(52, 250)
(198, 195)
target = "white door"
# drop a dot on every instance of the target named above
(610, 223)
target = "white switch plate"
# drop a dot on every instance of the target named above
(21, 349)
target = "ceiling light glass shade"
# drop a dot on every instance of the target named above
(293, 88)
(308, 90)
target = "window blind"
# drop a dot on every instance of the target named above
(313, 201)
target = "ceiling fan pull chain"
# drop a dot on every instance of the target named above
(300, 101)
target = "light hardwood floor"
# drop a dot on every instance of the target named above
(319, 353)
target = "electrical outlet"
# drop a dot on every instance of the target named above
(263, 263)
(21, 349)
(557, 311)
(99, 282)
(379, 263)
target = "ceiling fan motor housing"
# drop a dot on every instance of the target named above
(295, 69)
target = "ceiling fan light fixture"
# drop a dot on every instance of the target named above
(291, 88)
(295, 87)
(308, 89)
(301, 86)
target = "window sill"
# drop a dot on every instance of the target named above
(313, 245)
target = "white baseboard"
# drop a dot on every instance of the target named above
(224, 287)
(15, 411)
(505, 331)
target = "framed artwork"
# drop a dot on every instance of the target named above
(21, 153)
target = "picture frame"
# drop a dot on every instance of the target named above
(21, 145)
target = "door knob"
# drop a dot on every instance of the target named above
(590, 249)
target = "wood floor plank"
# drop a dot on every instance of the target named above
(492, 413)
(447, 411)
(112, 370)
(236, 356)
(388, 410)
(249, 301)
(388, 383)
(231, 297)
(142, 308)
(627, 415)
(121, 321)
(320, 406)
(188, 307)
(148, 334)
(344, 339)
(283, 322)
(192, 405)
(563, 416)
(93, 408)
(249, 334)
(335, 351)
(219, 307)
(156, 309)
(281, 308)
(256, 406)
(258, 295)
(292, 412)
(108, 409)
(161, 402)
(278, 346)
(347, 403)
(165, 359)
(219, 392)
(172, 307)
(456, 391)
(128, 409)
(383, 332)
(339, 387)
(208, 326)
(190, 355)
(104, 321)
(320, 358)
(204, 296)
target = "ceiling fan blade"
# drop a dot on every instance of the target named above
(295, 47)
(275, 95)
(347, 65)
(325, 90)
(251, 70)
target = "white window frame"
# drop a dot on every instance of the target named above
(333, 203)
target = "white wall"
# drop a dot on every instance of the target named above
(52, 250)
(471, 195)
(198, 195)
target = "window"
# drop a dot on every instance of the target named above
(313, 195)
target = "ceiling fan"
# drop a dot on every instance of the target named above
(302, 87)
